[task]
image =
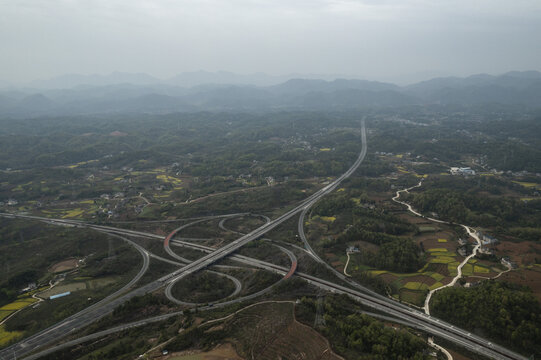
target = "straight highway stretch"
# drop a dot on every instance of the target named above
(233, 246)
(67, 326)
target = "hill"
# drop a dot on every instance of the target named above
(222, 91)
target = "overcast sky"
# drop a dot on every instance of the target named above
(374, 39)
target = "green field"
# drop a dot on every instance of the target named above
(4, 314)
(451, 267)
(436, 276)
(437, 250)
(467, 269)
(481, 269)
(442, 260)
(18, 304)
(8, 336)
(435, 285)
(415, 297)
(414, 285)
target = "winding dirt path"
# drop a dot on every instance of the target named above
(470, 232)
(346, 267)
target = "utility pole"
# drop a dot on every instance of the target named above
(111, 249)
(319, 321)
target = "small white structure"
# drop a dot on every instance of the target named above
(507, 262)
(352, 249)
(487, 239)
(52, 297)
(465, 171)
(31, 286)
(485, 250)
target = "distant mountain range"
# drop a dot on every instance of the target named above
(186, 79)
(223, 91)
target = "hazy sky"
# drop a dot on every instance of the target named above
(381, 39)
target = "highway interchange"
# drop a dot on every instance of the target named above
(397, 311)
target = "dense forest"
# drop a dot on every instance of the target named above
(396, 252)
(204, 144)
(358, 336)
(507, 313)
(466, 201)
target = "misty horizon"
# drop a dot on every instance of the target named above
(221, 77)
(392, 41)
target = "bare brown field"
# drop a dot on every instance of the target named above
(379, 198)
(298, 342)
(270, 331)
(388, 277)
(330, 255)
(221, 352)
(430, 240)
(366, 246)
(528, 277)
(457, 356)
(64, 265)
(439, 268)
(523, 253)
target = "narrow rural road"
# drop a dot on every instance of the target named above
(470, 232)
(468, 229)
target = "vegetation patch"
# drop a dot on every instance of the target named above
(529, 185)
(504, 312)
(73, 213)
(481, 269)
(414, 297)
(467, 269)
(437, 250)
(203, 287)
(414, 285)
(169, 179)
(437, 276)
(265, 331)
(18, 304)
(442, 260)
(7, 337)
(452, 268)
(358, 336)
(4, 314)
